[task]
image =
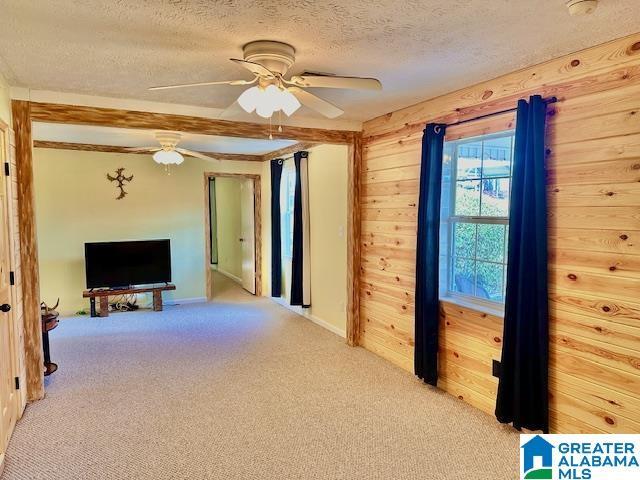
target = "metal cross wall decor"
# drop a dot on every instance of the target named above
(120, 178)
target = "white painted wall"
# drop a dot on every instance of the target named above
(328, 176)
(75, 203)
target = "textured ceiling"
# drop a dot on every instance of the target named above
(418, 49)
(127, 137)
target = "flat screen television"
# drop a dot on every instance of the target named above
(123, 264)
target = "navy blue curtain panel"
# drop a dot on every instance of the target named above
(213, 221)
(276, 246)
(523, 388)
(300, 273)
(427, 308)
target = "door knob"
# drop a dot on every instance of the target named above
(5, 307)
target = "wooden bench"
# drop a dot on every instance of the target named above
(104, 295)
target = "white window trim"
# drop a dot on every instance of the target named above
(474, 303)
(446, 294)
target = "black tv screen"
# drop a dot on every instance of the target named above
(122, 264)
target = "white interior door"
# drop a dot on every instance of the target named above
(8, 396)
(247, 214)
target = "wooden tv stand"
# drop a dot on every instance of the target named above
(104, 295)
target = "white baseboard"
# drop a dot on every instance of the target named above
(184, 301)
(230, 275)
(303, 312)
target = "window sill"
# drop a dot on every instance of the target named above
(497, 311)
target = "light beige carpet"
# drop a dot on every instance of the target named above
(242, 389)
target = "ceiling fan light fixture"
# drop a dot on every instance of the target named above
(248, 100)
(268, 101)
(289, 102)
(168, 157)
(264, 111)
(265, 101)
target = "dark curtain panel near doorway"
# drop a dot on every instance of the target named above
(523, 388)
(276, 247)
(213, 221)
(300, 261)
(427, 308)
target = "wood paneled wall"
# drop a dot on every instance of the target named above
(593, 139)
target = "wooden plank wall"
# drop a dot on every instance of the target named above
(593, 166)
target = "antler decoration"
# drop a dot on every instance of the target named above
(120, 178)
(46, 309)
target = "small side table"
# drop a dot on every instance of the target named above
(49, 322)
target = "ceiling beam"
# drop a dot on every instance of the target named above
(111, 117)
(283, 152)
(89, 147)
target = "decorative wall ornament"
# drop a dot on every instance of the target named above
(46, 309)
(121, 179)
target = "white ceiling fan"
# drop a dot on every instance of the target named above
(269, 61)
(168, 153)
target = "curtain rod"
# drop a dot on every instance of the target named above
(288, 157)
(283, 159)
(480, 117)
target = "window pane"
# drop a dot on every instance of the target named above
(491, 243)
(462, 280)
(495, 197)
(468, 198)
(479, 173)
(464, 240)
(489, 284)
(469, 163)
(287, 202)
(506, 245)
(504, 284)
(290, 207)
(496, 157)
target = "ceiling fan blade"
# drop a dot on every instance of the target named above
(143, 149)
(254, 68)
(232, 111)
(334, 81)
(191, 153)
(307, 99)
(202, 84)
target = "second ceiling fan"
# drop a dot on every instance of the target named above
(269, 61)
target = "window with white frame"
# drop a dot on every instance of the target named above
(287, 197)
(476, 184)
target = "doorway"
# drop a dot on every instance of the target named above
(233, 232)
(9, 400)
